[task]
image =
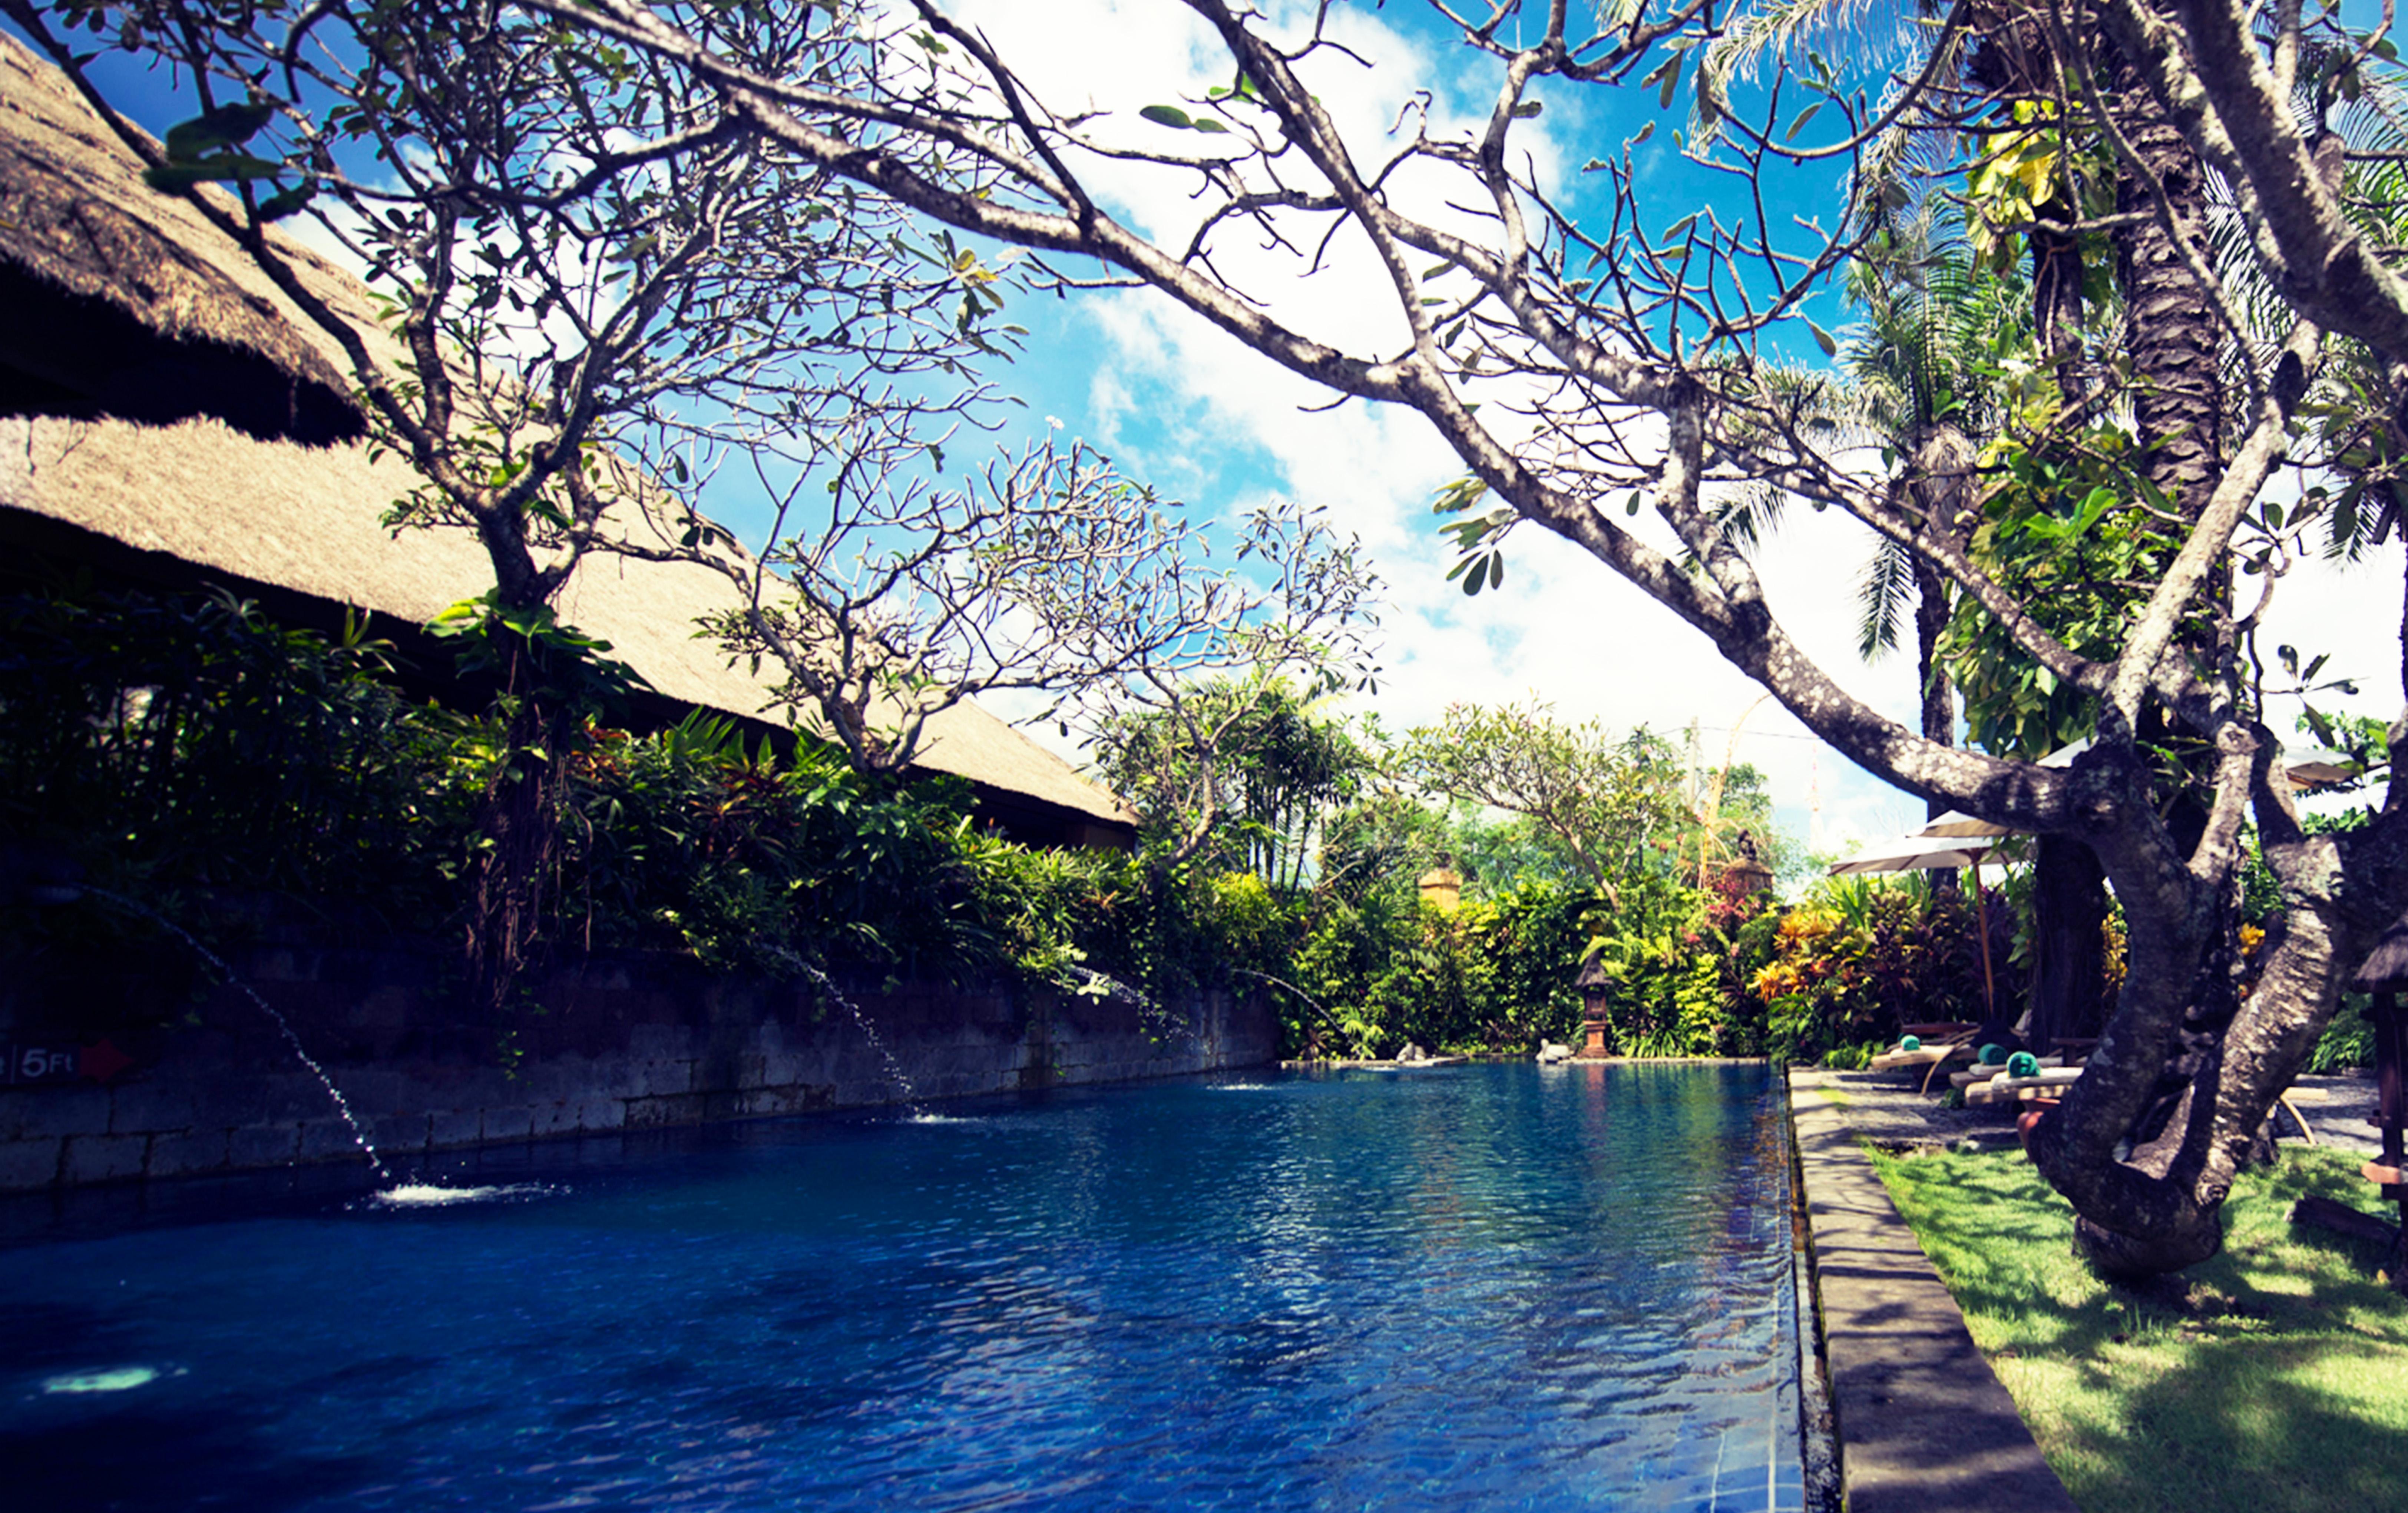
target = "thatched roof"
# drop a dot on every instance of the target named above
(2387, 966)
(134, 269)
(231, 499)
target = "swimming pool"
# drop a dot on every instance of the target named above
(1494, 1286)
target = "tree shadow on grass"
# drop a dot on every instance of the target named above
(2266, 1380)
(2002, 1241)
(2305, 1425)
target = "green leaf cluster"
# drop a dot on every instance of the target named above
(2080, 535)
(208, 149)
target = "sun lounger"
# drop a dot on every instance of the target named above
(2003, 1088)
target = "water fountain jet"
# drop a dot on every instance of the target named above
(868, 1031)
(1157, 1021)
(1318, 1008)
(67, 893)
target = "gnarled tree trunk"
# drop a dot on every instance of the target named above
(2149, 1161)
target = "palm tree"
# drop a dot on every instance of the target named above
(1921, 388)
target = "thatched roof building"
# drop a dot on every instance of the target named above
(168, 418)
(2386, 968)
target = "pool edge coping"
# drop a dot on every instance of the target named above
(1924, 1424)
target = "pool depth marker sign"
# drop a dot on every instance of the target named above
(26, 1066)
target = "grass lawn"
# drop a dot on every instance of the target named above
(2279, 1382)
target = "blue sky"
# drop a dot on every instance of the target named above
(1185, 407)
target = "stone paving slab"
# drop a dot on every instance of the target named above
(1924, 1424)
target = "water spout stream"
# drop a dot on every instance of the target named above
(1318, 1007)
(283, 1025)
(868, 1031)
(1159, 1023)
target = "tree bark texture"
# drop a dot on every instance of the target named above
(519, 820)
(1943, 493)
(2172, 330)
(2164, 1132)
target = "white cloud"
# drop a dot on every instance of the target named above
(1564, 627)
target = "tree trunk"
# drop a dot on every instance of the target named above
(519, 821)
(1939, 720)
(2147, 1144)
(2171, 1128)
(2172, 333)
(2069, 975)
(1942, 492)
(2057, 305)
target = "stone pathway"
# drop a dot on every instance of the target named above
(1924, 1425)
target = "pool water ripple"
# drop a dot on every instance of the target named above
(1481, 1288)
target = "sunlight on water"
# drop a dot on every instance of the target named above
(1461, 1291)
(432, 1195)
(115, 1380)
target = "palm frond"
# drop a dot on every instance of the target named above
(1875, 33)
(1882, 592)
(1751, 512)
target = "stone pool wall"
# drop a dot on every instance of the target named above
(607, 1044)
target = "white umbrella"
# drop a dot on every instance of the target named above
(1959, 825)
(1935, 853)
(2310, 774)
(1917, 853)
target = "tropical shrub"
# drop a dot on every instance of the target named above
(186, 753)
(1378, 969)
(1860, 957)
(1678, 962)
(154, 743)
(687, 840)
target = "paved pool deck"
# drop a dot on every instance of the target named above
(1924, 1424)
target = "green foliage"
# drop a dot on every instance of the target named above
(208, 148)
(1611, 808)
(1244, 769)
(2348, 1041)
(155, 744)
(190, 753)
(2362, 742)
(1052, 912)
(686, 841)
(1678, 963)
(2022, 178)
(1863, 956)
(1493, 974)
(528, 656)
(1394, 835)
(2071, 528)
(180, 750)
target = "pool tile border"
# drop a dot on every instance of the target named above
(1924, 1424)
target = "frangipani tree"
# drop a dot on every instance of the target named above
(1588, 356)
(1613, 807)
(600, 304)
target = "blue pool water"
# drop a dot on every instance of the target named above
(1471, 1287)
